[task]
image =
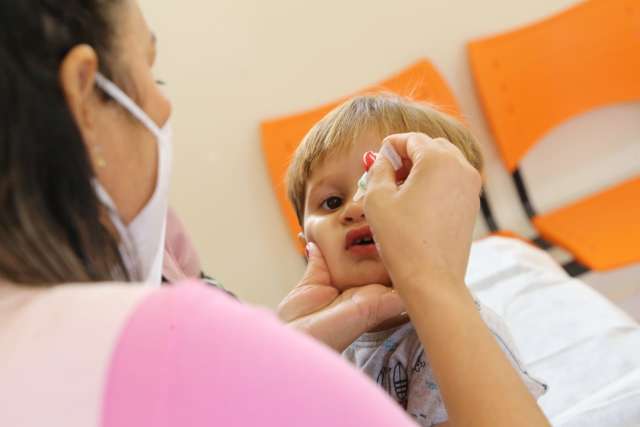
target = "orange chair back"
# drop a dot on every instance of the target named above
(535, 78)
(281, 136)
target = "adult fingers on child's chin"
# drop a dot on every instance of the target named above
(391, 305)
(317, 272)
(305, 300)
(376, 304)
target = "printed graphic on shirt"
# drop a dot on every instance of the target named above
(401, 384)
(383, 379)
(396, 382)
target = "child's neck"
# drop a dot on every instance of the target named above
(391, 323)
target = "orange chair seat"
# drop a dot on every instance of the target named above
(601, 231)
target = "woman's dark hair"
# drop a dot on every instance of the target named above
(53, 229)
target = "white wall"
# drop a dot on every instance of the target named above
(231, 63)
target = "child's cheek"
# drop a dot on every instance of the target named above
(309, 229)
(313, 231)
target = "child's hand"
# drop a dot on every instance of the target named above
(315, 307)
(424, 226)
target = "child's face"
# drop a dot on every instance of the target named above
(337, 224)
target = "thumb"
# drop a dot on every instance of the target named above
(317, 272)
(313, 293)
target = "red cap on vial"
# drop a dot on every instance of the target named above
(368, 159)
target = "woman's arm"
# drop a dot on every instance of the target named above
(423, 228)
(478, 384)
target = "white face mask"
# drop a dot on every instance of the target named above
(145, 235)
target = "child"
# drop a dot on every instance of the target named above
(322, 180)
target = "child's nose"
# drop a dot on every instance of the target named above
(354, 212)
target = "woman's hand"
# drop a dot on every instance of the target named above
(336, 319)
(424, 226)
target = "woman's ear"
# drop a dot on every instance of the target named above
(77, 78)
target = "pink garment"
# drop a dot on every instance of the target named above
(192, 356)
(181, 260)
(107, 355)
(56, 345)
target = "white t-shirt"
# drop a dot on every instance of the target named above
(396, 360)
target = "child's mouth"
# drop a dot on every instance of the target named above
(364, 241)
(361, 241)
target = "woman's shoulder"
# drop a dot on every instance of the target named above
(190, 354)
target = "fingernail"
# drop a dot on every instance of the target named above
(368, 159)
(390, 153)
(311, 248)
(307, 250)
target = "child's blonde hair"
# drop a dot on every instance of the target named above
(385, 114)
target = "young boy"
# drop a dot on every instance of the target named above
(322, 180)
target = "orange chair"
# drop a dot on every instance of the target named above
(535, 78)
(281, 136)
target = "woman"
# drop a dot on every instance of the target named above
(84, 169)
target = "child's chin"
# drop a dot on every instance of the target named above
(363, 280)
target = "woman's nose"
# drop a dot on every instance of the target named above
(353, 212)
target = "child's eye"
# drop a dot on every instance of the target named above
(332, 203)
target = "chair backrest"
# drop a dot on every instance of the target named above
(281, 136)
(535, 78)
